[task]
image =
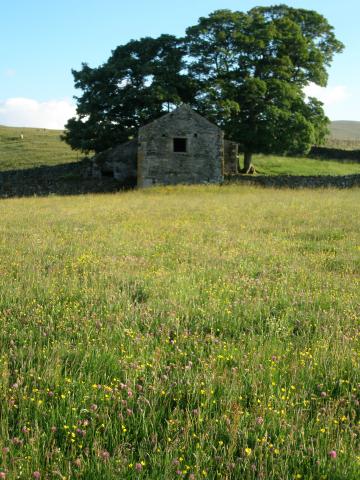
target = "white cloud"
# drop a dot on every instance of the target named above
(9, 72)
(26, 112)
(328, 95)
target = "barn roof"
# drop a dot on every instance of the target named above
(180, 111)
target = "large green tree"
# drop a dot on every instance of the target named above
(244, 71)
(138, 82)
(252, 68)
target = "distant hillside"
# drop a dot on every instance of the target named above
(38, 147)
(345, 130)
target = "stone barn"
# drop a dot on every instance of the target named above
(179, 147)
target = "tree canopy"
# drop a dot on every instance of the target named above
(130, 89)
(244, 71)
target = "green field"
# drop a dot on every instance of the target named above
(38, 147)
(275, 165)
(188, 332)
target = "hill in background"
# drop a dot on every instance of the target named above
(344, 134)
(345, 130)
(38, 147)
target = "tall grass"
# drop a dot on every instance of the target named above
(188, 332)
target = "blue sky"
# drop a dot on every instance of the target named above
(41, 41)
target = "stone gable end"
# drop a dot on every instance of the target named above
(180, 147)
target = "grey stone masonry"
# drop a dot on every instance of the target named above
(231, 158)
(180, 147)
(119, 162)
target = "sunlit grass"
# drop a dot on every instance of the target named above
(275, 165)
(188, 332)
(37, 147)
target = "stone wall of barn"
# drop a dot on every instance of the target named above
(160, 159)
(231, 158)
(119, 162)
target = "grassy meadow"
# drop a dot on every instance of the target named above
(39, 146)
(276, 165)
(183, 332)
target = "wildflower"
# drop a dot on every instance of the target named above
(138, 467)
(105, 455)
(93, 407)
(248, 451)
(2, 475)
(36, 474)
(17, 441)
(259, 420)
(323, 394)
(178, 472)
(53, 429)
(332, 454)
(77, 462)
(5, 450)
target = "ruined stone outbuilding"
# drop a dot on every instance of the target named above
(181, 147)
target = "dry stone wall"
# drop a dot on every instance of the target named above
(292, 181)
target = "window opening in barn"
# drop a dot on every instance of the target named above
(107, 173)
(180, 145)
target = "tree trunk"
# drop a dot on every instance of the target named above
(248, 166)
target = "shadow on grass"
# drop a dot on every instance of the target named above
(64, 179)
(335, 154)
